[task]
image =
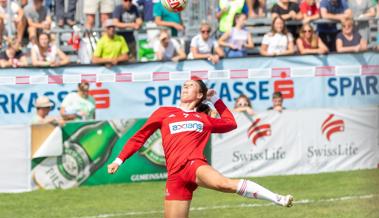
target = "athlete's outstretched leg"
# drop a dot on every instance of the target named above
(210, 178)
(176, 209)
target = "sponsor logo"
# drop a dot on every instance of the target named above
(186, 126)
(331, 126)
(257, 131)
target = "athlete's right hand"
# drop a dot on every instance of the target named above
(112, 168)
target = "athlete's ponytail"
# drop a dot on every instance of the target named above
(200, 106)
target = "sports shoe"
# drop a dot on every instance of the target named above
(285, 201)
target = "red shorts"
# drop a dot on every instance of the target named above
(180, 185)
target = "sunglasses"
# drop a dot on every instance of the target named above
(346, 26)
(205, 31)
(127, 0)
(307, 31)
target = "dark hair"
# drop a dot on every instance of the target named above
(200, 106)
(83, 86)
(236, 17)
(277, 95)
(244, 97)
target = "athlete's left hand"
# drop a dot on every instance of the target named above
(210, 93)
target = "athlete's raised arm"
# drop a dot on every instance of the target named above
(227, 122)
(138, 139)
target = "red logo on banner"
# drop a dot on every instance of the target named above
(101, 97)
(330, 126)
(286, 87)
(257, 131)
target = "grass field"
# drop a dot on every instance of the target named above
(353, 194)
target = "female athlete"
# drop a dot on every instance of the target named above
(185, 132)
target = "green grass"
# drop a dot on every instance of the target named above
(147, 197)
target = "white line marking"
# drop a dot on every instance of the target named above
(304, 201)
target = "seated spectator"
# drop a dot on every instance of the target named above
(278, 41)
(43, 106)
(277, 102)
(12, 15)
(12, 57)
(257, 8)
(38, 18)
(79, 105)
(127, 18)
(167, 49)
(288, 10)
(349, 40)
(309, 42)
(335, 10)
(309, 10)
(238, 39)
(362, 10)
(226, 12)
(91, 8)
(243, 104)
(111, 49)
(205, 47)
(45, 53)
(165, 18)
(69, 16)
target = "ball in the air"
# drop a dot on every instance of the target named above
(174, 5)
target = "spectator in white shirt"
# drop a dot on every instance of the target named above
(168, 49)
(278, 41)
(203, 46)
(12, 15)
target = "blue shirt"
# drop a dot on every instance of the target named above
(147, 9)
(339, 8)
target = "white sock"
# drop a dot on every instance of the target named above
(251, 189)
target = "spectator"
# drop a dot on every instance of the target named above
(168, 49)
(363, 9)
(79, 105)
(127, 17)
(278, 41)
(205, 47)
(165, 18)
(12, 57)
(309, 42)
(227, 9)
(111, 49)
(12, 15)
(309, 10)
(148, 6)
(277, 102)
(60, 15)
(38, 18)
(91, 8)
(349, 40)
(335, 10)
(238, 39)
(45, 53)
(243, 104)
(151, 27)
(43, 106)
(257, 8)
(288, 10)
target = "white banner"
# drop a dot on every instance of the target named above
(15, 164)
(299, 142)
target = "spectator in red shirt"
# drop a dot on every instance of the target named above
(309, 42)
(309, 10)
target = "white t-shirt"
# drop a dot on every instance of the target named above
(276, 42)
(74, 104)
(13, 10)
(169, 52)
(203, 47)
(50, 55)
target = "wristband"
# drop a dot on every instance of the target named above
(118, 161)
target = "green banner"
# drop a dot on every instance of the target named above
(88, 147)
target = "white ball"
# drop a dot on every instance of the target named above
(174, 5)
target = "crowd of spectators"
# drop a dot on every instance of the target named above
(27, 35)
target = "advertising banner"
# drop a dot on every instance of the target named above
(299, 142)
(88, 147)
(136, 90)
(15, 158)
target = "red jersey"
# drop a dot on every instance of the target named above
(184, 133)
(309, 10)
